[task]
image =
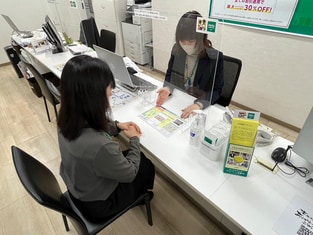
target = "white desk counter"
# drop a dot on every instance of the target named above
(257, 202)
(174, 152)
(46, 61)
(251, 204)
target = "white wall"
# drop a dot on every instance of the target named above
(67, 19)
(27, 15)
(277, 74)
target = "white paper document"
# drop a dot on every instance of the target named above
(297, 219)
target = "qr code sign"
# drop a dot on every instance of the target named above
(304, 231)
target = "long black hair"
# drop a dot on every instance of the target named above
(186, 30)
(84, 102)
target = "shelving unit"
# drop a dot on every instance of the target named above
(137, 40)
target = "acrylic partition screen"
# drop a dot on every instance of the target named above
(186, 48)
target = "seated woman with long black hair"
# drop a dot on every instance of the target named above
(101, 178)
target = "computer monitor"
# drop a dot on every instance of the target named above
(303, 145)
(53, 35)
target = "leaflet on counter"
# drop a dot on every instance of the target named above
(163, 120)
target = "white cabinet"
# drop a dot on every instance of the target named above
(136, 36)
(108, 15)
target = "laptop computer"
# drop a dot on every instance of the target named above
(23, 34)
(121, 72)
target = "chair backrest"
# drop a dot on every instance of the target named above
(232, 69)
(107, 40)
(42, 185)
(89, 32)
(42, 83)
(54, 91)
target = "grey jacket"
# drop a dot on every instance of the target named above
(93, 165)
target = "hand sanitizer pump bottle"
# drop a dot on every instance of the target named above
(196, 129)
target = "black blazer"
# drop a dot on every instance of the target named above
(204, 76)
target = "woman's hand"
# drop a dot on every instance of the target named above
(163, 94)
(130, 129)
(187, 111)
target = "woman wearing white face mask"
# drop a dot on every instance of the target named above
(194, 67)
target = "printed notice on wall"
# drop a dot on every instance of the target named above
(73, 4)
(297, 218)
(275, 13)
(206, 25)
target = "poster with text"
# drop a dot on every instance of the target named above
(263, 12)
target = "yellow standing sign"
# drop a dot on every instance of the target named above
(241, 142)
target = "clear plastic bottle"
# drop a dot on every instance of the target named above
(196, 130)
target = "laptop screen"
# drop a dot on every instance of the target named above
(24, 34)
(116, 64)
(11, 23)
(120, 71)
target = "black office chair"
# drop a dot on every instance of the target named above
(107, 40)
(42, 185)
(232, 69)
(89, 34)
(45, 85)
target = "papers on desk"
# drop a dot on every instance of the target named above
(163, 120)
(297, 218)
(120, 97)
(78, 49)
(37, 35)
